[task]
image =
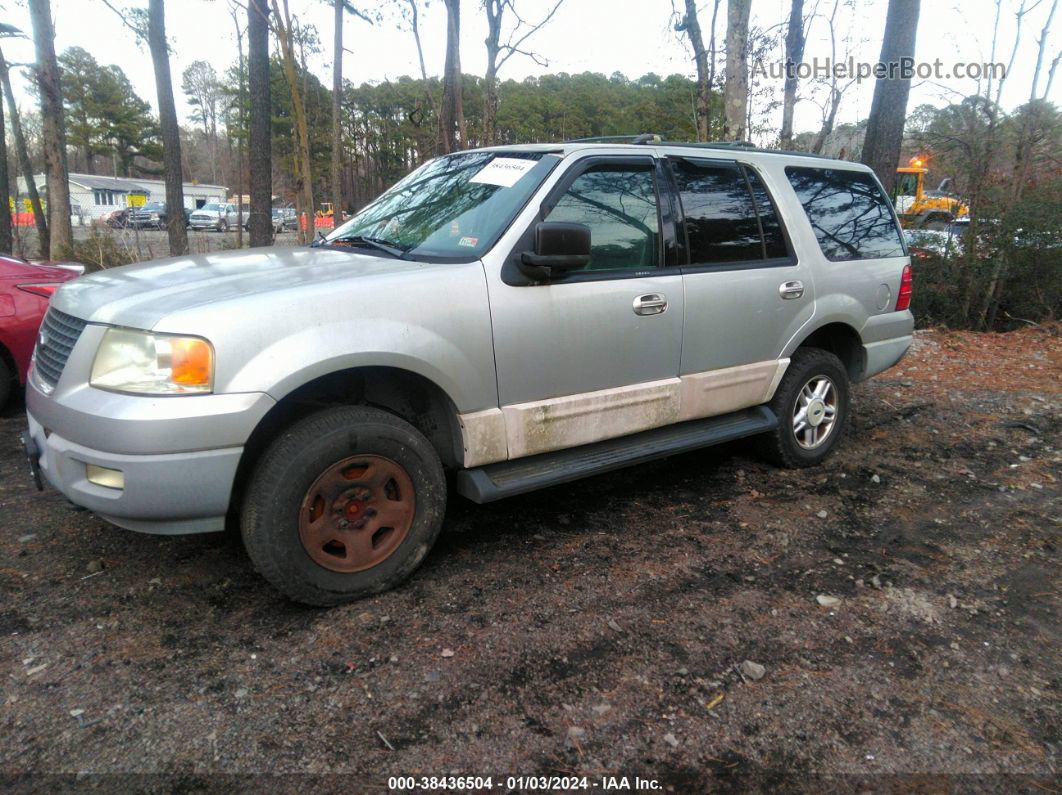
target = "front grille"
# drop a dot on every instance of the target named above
(59, 333)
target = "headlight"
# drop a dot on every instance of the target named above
(153, 364)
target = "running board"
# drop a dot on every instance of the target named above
(509, 478)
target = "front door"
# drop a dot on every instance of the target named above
(595, 353)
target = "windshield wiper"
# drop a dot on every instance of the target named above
(380, 245)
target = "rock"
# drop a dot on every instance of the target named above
(394, 658)
(447, 652)
(876, 581)
(875, 479)
(241, 693)
(155, 581)
(838, 561)
(827, 601)
(575, 733)
(614, 626)
(682, 672)
(75, 712)
(27, 537)
(822, 514)
(366, 618)
(671, 740)
(753, 671)
(600, 709)
(432, 676)
(952, 602)
(95, 566)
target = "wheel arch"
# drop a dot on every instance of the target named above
(843, 341)
(404, 393)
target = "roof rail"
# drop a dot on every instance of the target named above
(641, 138)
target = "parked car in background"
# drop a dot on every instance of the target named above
(219, 217)
(119, 219)
(152, 215)
(283, 219)
(24, 292)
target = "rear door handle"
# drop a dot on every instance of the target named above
(790, 290)
(650, 304)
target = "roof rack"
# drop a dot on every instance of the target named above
(653, 138)
(642, 138)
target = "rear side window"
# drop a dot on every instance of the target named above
(728, 213)
(849, 214)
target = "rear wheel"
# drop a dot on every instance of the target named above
(345, 503)
(812, 405)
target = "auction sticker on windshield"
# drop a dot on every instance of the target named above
(503, 171)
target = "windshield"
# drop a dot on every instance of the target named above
(211, 208)
(453, 207)
(907, 185)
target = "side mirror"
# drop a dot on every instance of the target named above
(559, 247)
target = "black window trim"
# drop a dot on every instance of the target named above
(790, 260)
(512, 275)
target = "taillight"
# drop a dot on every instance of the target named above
(43, 290)
(903, 297)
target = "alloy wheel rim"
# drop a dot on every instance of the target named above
(815, 412)
(357, 513)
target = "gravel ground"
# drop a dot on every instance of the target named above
(898, 606)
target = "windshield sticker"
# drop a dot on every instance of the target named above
(503, 171)
(468, 241)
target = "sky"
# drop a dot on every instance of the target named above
(633, 37)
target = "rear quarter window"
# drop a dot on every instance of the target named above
(851, 217)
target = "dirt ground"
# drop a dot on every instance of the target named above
(599, 629)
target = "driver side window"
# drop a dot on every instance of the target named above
(619, 205)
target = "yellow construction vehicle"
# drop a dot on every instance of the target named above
(325, 211)
(919, 208)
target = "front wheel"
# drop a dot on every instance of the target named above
(7, 382)
(812, 405)
(345, 503)
(223, 226)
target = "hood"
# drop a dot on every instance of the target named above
(139, 296)
(18, 270)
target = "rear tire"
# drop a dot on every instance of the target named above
(343, 504)
(812, 404)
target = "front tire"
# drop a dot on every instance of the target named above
(812, 404)
(345, 503)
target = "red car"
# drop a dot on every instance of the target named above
(24, 292)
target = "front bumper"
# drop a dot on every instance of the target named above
(178, 455)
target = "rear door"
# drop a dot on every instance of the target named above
(746, 290)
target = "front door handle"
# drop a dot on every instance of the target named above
(790, 290)
(650, 304)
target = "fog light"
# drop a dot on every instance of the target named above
(103, 476)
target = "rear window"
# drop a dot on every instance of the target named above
(729, 216)
(849, 214)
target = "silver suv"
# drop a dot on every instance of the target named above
(513, 317)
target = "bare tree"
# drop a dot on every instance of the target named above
(452, 114)
(5, 181)
(736, 91)
(200, 84)
(24, 162)
(61, 235)
(498, 53)
(835, 89)
(881, 147)
(284, 28)
(259, 146)
(705, 61)
(340, 7)
(795, 38)
(241, 140)
(1041, 46)
(171, 131)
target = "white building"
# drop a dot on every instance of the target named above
(99, 195)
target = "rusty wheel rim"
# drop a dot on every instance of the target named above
(357, 513)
